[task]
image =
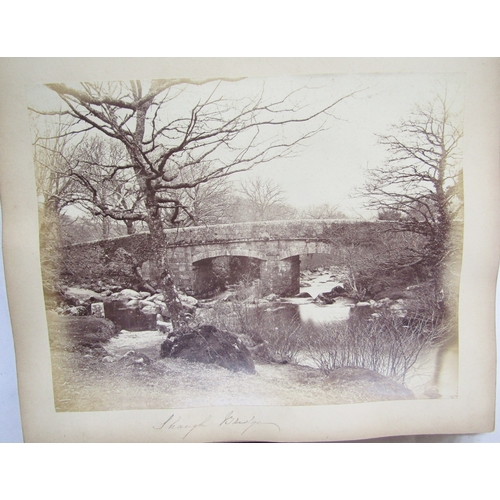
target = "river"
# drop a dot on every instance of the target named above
(434, 373)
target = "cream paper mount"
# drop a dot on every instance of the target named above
(468, 408)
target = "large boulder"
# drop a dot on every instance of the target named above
(127, 317)
(75, 296)
(126, 295)
(324, 298)
(87, 331)
(338, 291)
(189, 303)
(207, 344)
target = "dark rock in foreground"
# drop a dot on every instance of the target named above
(207, 344)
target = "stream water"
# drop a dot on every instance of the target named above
(310, 312)
(435, 371)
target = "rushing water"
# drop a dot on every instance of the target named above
(435, 372)
(318, 314)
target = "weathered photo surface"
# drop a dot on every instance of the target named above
(280, 241)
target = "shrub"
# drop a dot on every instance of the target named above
(386, 343)
(281, 333)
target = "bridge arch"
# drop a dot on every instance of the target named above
(215, 270)
(274, 245)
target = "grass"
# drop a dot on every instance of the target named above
(84, 381)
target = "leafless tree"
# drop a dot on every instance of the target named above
(263, 199)
(419, 187)
(323, 211)
(53, 152)
(176, 138)
(205, 204)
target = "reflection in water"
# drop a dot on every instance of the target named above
(317, 314)
(435, 374)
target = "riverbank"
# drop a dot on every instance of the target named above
(108, 376)
(124, 370)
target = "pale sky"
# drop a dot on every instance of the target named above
(335, 161)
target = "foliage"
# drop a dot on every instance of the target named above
(384, 342)
(376, 259)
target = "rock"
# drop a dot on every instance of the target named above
(150, 309)
(142, 360)
(135, 358)
(187, 301)
(324, 298)
(80, 296)
(145, 303)
(303, 295)
(126, 294)
(207, 344)
(163, 326)
(206, 305)
(132, 304)
(108, 359)
(338, 291)
(399, 308)
(272, 297)
(159, 302)
(363, 304)
(127, 318)
(165, 312)
(144, 295)
(157, 296)
(97, 309)
(76, 311)
(128, 354)
(381, 303)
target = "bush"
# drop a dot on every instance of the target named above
(385, 343)
(281, 333)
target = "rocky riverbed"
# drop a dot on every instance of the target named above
(142, 327)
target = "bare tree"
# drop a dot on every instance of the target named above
(419, 187)
(176, 139)
(53, 154)
(106, 197)
(323, 211)
(262, 198)
(205, 204)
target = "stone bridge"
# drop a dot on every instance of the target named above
(269, 251)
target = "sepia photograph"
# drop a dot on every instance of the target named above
(247, 250)
(250, 241)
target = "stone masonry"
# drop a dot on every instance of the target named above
(276, 245)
